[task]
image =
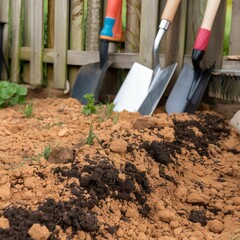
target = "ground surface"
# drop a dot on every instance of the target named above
(159, 177)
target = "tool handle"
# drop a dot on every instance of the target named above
(170, 10)
(112, 29)
(204, 32)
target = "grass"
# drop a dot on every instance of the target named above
(28, 112)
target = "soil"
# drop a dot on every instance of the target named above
(64, 175)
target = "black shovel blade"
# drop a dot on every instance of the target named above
(196, 98)
(89, 80)
(178, 98)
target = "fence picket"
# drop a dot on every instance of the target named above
(15, 53)
(76, 32)
(60, 43)
(4, 10)
(36, 64)
(148, 30)
(94, 19)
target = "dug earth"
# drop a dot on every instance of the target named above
(65, 175)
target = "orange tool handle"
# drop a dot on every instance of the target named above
(112, 29)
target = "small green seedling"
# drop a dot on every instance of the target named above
(91, 136)
(46, 152)
(11, 94)
(90, 108)
(109, 109)
(28, 112)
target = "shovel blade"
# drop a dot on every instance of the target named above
(134, 89)
(158, 87)
(178, 98)
(89, 80)
(196, 98)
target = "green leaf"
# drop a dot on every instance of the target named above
(22, 99)
(14, 100)
(1, 101)
(5, 94)
(4, 84)
(22, 91)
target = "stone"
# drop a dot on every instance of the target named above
(5, 191)
(236, 201)
(166, 216)
(235, 121)
(63, 132)
(29, 182)
(215, 226)
(60, 155)
(38, 232)
(198, 198)
(118, 146)
(4, 223)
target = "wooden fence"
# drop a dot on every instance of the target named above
(72, 28)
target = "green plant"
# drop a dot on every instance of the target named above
(11, 94)
(28, 112)
(90, 107)
(46, 152)
(109, 109)
(91, 136)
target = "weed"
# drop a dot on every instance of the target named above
(109, 109)
(28, 112)
(91, 136)
(46, 152)
(90, 107)
(11, 94)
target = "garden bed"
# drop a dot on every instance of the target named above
(64, 175)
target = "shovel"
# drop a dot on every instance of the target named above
(143, 87)
(90, 76)
(191, 84)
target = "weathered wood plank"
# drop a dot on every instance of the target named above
(36, 67)
(149, 14)
(234, 47)
(94, 21)
(132, 33)
(76, 33)
(175, 42)
(4, 10)
(15, 53)
(27, 37)
(60, 43)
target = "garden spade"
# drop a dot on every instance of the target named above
(191, 84)
(91, 76)
(143, 87)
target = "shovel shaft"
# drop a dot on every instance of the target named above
(204, 32)
(170, 10)
(112, 29)
(167, 17)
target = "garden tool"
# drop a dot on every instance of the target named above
(143, 87)
(90, 76)
(191, 84)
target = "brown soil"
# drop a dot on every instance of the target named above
(161, 177)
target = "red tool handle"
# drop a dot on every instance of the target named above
(204, 32)
(112, 29)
